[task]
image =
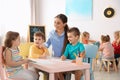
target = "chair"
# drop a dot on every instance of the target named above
(91, 52)
(108, 61)
(3, 75)
(24, 49)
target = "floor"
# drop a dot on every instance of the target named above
(103, 75)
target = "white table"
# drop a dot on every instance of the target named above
(55, 65)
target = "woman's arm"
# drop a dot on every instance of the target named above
(47, 43)
(46, 51)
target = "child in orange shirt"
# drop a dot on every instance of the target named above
(85, 39)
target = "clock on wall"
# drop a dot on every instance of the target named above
(109, 12)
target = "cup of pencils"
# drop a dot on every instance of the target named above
(79, 61)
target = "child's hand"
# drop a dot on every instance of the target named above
(44, 56)
(42, 46)
(25, 60)
(81, 55)
(63, 57)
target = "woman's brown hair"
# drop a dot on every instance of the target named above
(66, 28)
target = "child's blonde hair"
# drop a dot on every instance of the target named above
(85, 33)
(117, 33)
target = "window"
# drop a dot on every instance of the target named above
(15, 15)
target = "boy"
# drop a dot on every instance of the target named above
(38, 51)
(74, 48)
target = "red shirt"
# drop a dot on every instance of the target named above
(116, 48)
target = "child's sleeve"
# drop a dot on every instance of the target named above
(31, 52)
(82, 48)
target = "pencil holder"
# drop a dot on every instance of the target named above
(79, 61)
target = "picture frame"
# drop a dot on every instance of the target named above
(34, 28)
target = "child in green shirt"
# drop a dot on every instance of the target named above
(74, 48)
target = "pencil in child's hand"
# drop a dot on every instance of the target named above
(75, 55)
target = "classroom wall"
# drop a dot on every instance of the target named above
(98, 25)
(46, 10)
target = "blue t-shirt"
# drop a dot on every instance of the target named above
(72, 50)
(57, 42)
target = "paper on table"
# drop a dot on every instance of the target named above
(41, 61)
(50, 61)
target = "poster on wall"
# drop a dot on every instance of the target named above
(79, 9)
(33, 29)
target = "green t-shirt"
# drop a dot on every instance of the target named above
(72, 50)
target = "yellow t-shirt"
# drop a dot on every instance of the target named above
(36, 52)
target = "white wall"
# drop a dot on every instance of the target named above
(14, 16)
(97, 26)
(46, 10)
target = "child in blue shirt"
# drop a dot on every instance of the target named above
(73, 48)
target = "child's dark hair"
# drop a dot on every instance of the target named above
(64, 19)
(105, 38)
(10, 36)
(39, 34)
(75, 31)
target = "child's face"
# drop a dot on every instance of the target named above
(72, 38)
(87, 37)
(58, 24)
(17, 41)
(38, 40)
(116, 37)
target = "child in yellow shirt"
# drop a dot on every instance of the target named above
(37, 50)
